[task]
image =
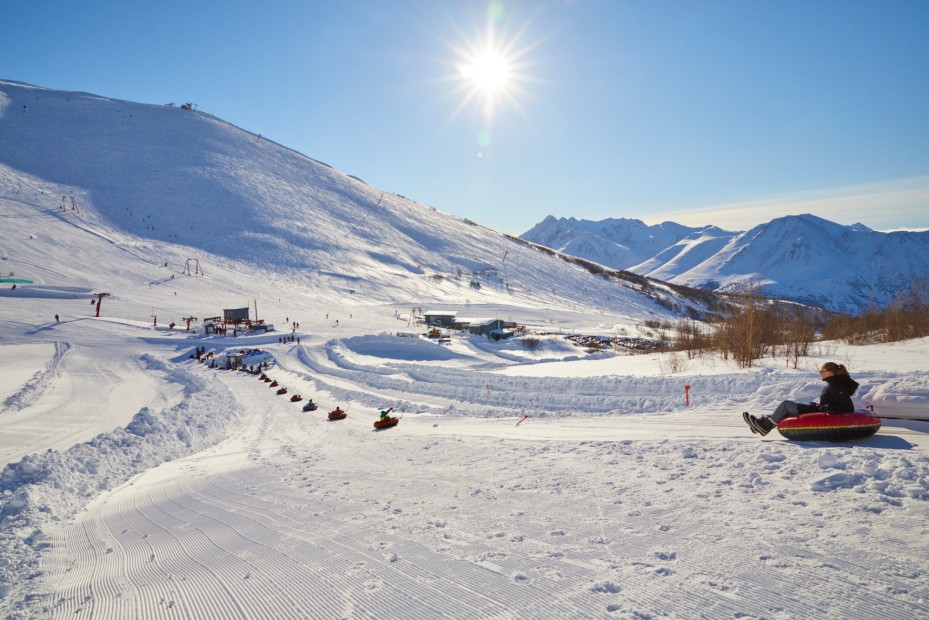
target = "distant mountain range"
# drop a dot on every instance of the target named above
(799, 257)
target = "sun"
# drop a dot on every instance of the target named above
(490, 73)
(490, 67)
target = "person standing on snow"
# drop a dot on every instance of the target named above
(836, 397)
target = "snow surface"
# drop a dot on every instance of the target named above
(525, 479)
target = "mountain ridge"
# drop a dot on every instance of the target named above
(804, 258)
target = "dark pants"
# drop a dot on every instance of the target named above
(789, 408)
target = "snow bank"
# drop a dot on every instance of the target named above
(54, 486)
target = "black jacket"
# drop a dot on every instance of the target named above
(837, 395)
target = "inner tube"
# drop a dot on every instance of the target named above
(821, 426)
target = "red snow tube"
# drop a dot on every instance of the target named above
(337, 415)
(829, 426)
(386, 423)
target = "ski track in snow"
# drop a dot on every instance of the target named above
(75, 397)
(30, 391)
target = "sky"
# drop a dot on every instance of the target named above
(721, 112)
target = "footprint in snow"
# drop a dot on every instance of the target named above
(605, 587)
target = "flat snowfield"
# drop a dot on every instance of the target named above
(222, 499)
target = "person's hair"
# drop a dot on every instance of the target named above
(836, 369)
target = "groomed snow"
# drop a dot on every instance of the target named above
(612, 499)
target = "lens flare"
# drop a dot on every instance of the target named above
(489, 67)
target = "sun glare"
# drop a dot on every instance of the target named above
(490, 73)
(489, 66)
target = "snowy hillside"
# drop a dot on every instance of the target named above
(691, 251)
(526, 478)
(803, 258)
(155, 184)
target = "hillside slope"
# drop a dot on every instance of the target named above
(160, 185)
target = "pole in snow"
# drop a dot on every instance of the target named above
(99, 297)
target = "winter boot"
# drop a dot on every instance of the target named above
(762, 425)
(748, 420)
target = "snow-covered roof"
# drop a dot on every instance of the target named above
(477, 321)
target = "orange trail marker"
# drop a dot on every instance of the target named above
(687, 395)
(521, 421)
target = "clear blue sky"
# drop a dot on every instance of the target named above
(705, 112)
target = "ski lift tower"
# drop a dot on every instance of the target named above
(503, 263)
(99, 297)
(192, 267)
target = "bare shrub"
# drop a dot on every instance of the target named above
(692, 338)
(531, 343)
(906, 317)
(673, 364)
(755, 327)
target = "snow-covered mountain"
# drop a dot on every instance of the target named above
(687, 253)
(815, 261)
(616, 243)
(154, 187)
(802, 257)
